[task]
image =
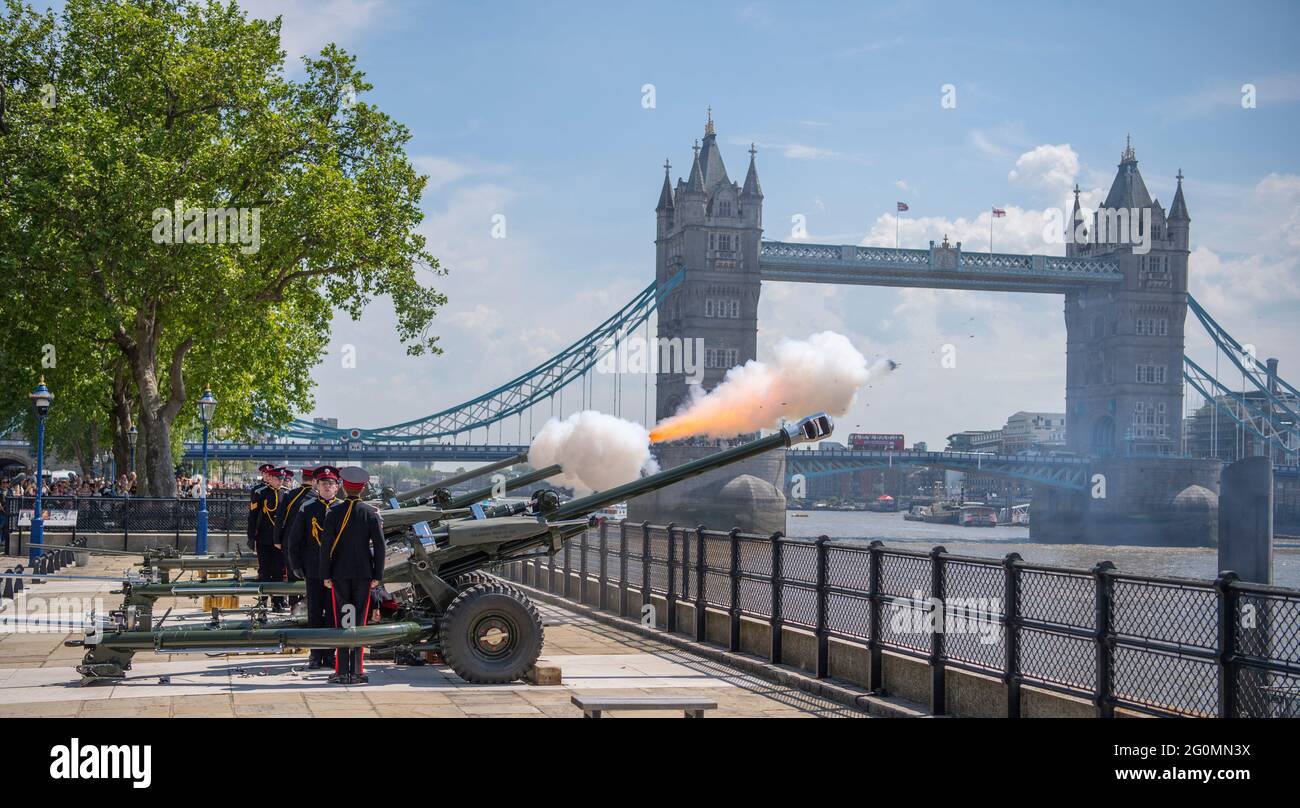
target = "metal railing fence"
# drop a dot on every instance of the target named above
(1155, 645)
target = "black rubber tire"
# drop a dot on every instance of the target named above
(467, 579)
(483, 608)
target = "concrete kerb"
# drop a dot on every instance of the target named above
(876, 706)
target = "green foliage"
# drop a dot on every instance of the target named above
(166, 104)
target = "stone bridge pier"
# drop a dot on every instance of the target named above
(1160, 501)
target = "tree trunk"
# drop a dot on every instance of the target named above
(156, 460)
(157, 416)
(79, 453)
(121, 422)
(141, 349)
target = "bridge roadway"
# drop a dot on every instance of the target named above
(941, 266)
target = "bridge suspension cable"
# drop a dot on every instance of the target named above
(1265, 412)
(543, 382)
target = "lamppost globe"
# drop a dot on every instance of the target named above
(132, 436)
(207, 407)
(41, 399)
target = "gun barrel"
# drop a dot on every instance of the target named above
(235, 640)
(465, 500)
(201, 563)
(457, 479)
(220, 588)
(814, 427)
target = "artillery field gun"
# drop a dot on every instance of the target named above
(485, 629)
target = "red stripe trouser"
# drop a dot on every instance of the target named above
(351, 602)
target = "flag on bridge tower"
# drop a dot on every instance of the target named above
(998, 213)
(902, 206)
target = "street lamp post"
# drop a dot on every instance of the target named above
(41, 398)
(131, 437)
(207, 406)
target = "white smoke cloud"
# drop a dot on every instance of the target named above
(1049, 167)
(598, 451)
(820, 374)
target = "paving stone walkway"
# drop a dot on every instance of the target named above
(38, 676)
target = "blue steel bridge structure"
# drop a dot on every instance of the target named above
(1261, 403)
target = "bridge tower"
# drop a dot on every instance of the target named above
(1124, 346)
(710, 227)
(1123, 381)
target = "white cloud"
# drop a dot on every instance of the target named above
(308, 25)
(1051, 168)
(796, 151)
(1241, 285)
(1280, 196)
(1020, 231)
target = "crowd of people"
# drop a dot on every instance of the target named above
(24, 485)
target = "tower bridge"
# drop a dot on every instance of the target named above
(1125, 311)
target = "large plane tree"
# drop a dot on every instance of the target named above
(179, 205)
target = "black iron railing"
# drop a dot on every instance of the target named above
(1162, 646)
(131, 515)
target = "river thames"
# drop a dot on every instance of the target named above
(996, 542)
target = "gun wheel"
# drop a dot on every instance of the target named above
(468, 579)
(491, 634)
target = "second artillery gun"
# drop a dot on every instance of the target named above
(485, 629)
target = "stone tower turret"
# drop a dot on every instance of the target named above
(1124, 342)
(708, 227)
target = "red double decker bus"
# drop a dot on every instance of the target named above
(876, 442)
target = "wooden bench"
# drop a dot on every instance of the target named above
(593, 706)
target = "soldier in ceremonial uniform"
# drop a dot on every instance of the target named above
(294, 500)
(263, 533)
(304, 540)
(267, 470)
(352, 561)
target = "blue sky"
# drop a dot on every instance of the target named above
(534, 111)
